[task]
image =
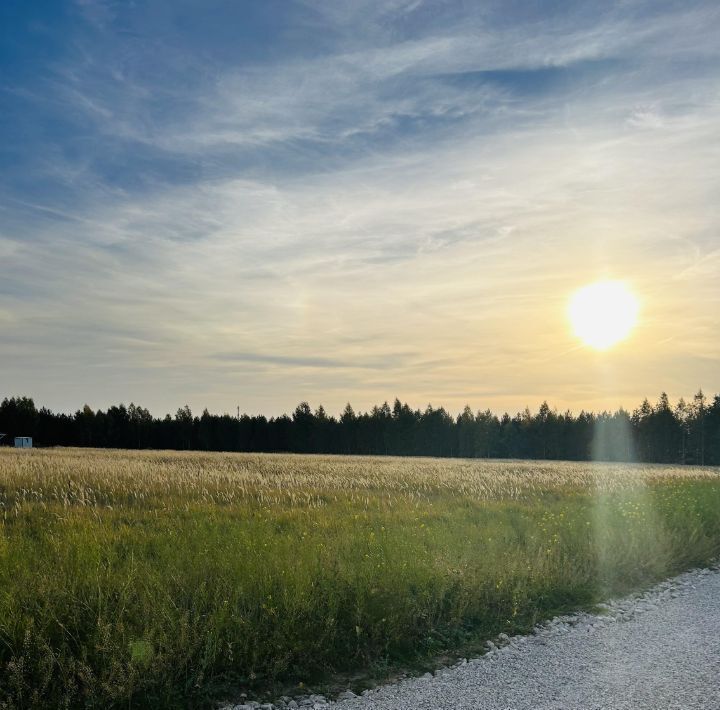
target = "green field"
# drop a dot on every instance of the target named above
(158, 579)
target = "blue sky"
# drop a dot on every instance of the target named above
(255, 203)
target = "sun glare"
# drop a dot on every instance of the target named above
(604, 313)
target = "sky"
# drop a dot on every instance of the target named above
(253, 203)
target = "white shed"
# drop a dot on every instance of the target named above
(23, 442)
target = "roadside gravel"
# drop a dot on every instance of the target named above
(657, 651)
(660, 650)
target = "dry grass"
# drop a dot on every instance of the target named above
(100, 477)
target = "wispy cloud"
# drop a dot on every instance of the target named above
(373, 363)
(398, 204)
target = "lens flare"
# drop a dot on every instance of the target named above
(604, 313)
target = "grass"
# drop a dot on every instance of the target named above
(157, 579)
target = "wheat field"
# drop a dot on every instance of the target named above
(161, 579)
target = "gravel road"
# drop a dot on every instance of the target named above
(658, 651)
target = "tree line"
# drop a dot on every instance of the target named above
(687, 433)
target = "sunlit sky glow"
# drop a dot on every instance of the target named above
(256, 203)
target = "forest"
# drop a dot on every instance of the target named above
(686, 433)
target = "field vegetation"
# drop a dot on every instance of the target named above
(165, 579)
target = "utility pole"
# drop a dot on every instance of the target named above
(238, 416)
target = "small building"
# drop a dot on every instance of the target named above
(23, 442)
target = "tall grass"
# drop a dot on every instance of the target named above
(158, 579)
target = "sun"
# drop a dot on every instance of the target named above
(604, 313)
